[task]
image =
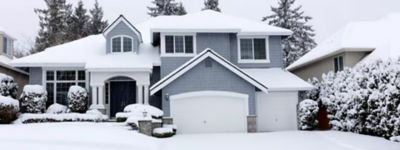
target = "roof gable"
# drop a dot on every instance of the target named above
(120, 19)
(208, 53)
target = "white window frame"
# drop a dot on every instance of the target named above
(122, 43)
(55, 81)
(266, 60)
(163, 48)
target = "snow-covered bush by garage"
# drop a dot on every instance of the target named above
(77, 99)
(163, 132)
(308, 111)
(7, 86)
(364, 99)
(139, 110)
(57, 109)
(33, 99)
(9, 108)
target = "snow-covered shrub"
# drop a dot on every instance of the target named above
(90, 116)
(364, 99)
(77, 99)
(9, 108)
(7, 86)
(163, 132)
(33, 99)
(56, 109)
(308, 111)
(139, 110)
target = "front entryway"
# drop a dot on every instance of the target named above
(210, 112)
(122, 93)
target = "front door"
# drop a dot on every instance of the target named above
(122, 93)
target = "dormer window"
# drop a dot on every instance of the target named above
(175, 45)
(121, 44)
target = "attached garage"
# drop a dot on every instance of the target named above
(276, 111)
(210, 112)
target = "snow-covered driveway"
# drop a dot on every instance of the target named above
(102, 136)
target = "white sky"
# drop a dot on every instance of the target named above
(18, 17)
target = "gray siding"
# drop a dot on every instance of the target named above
(275, 52)
(122, 29)
(35, 75)
(219, 42)
(225, 44)
(201, 78)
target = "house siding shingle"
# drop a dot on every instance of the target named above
(202, 78)
(122, 29)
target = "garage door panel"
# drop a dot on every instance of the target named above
(276, 111)
(209, 113)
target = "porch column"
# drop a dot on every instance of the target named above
(146, 94)
(97, 98)
(101, 95)
(139, 94)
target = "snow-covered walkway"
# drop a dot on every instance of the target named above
(110, 136)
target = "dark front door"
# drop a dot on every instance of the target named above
(122, 93)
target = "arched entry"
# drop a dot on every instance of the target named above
(119, 92)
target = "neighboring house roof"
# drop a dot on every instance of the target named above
(3, 32)
(121, 18)
(208, 53)
(90, 52)
(379, 36)
(4, 61)
(278, 79)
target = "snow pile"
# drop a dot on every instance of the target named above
(395, 139)
(7, 86)
(67, 117)
(364, 99)
(56, 109)
(33, 99)
(140, 110)
(308, 111)
(77, 99)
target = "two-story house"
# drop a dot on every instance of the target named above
(6, 55)
(208, 72)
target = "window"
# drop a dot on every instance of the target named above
(121, 44)
(58, 83)
(338, 60)
(179, 44)
(253, 50)
(5, 45)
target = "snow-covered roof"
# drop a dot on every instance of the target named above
(4, 62)
(3, 31)
(277, 79)
(380, 36)
(207, 53)
(212, 21)
(90, 52)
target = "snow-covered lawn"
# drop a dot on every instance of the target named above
(101, 136)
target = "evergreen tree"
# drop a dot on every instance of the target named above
(79, 25)
(180, 10)
(211, 5)
(97, 24)
(301, 41)
(166, 8)
(53, 22)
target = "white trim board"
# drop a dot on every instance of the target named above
(207, 53)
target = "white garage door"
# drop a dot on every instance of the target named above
(276, 111)
(209, 112)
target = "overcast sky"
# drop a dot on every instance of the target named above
(18, 17)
